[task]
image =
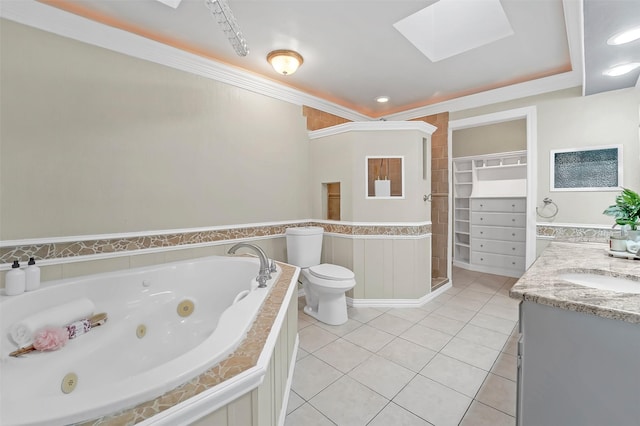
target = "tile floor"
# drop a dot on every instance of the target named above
(450, 362)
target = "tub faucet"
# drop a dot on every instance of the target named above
(265, 273)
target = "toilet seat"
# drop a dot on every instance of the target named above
(327, 271)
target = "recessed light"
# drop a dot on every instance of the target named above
(621, 69)
(624, 37)
(382, 99)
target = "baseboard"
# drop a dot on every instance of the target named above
(398, 303)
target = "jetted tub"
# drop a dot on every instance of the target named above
(145, 348)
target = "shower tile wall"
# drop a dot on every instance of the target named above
(440, 196)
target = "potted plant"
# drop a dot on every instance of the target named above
(626, 211)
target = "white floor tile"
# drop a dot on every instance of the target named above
(390, 323)
(342, 355)
(410, 314)
(313, 338)
(463, 302)
(506, 366)
(407, 354)
(312, 375)
(433, 402)
(483, 336)
(511, 347)
(308, 416)
(369, 338)
(381, 360)
(427, 337)
(471, 353)
(455, 374)
(455, 312)
(474, 295)
(301, 354)
(483, 415)
(383, 376)
(500, 311)
(444, 324)
(499, 393)
(394, 415)
(294, 401)
(363, 314)
(501, 325)
(342, 329)
(347, 402)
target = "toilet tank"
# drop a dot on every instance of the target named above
(304, 245)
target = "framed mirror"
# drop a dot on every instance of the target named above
(385, 177)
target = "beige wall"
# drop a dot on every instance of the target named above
(499, 137)
(566, 119)
(341, 158)
(95, 142)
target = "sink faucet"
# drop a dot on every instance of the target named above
(265, 271)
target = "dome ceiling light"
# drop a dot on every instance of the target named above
(285, 62)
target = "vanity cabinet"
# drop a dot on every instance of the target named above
(490, 213)
(576, 368)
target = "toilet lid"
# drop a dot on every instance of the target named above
(328, 271)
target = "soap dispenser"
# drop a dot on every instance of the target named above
(15, 280)
(32, 278)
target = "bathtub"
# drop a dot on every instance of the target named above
(118, 367)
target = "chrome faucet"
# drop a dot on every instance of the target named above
(265, 271)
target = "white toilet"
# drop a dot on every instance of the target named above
(324, 284)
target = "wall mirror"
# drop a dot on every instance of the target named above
(385, 177)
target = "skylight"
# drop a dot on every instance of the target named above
(450, 27)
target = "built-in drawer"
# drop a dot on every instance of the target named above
(511, 205)
(498, 260)
(498, 233)
(499, 219)
(500, 247)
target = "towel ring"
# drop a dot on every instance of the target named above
(546, 202)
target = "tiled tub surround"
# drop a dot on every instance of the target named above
(264, 347)
(391, 261)
(74, 247)
(540, 284)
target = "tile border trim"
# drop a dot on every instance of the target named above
(52, 251)
(575, 232)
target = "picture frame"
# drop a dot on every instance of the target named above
(597, 168)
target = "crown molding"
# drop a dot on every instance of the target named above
(364, 126)
(53, 20)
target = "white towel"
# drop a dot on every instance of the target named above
(22, 331)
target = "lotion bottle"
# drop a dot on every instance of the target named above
(14, 281)
(32, 276)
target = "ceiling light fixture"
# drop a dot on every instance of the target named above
(223, 15)
(382, 99)
(285, 62)
(624, 37)
(621, 69)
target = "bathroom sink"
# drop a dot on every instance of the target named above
(603, 282)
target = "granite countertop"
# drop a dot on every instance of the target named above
(541, 284)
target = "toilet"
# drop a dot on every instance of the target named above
(324, 284)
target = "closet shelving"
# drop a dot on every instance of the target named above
(500, 180)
